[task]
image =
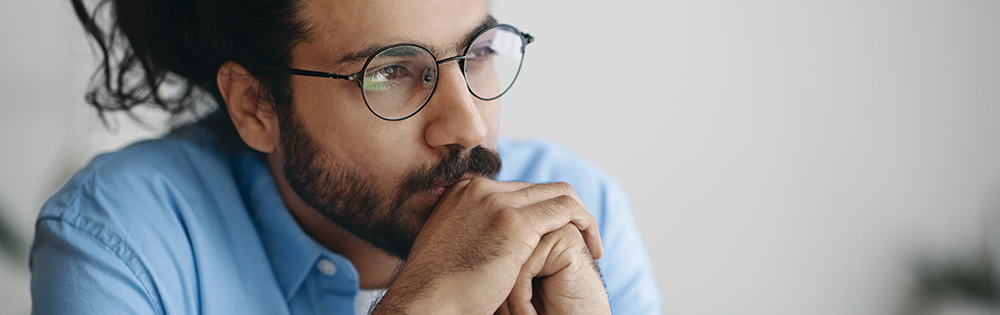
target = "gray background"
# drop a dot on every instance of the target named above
(782, 157)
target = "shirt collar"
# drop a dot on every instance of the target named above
(291, 251)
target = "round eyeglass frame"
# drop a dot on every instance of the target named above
(359, 76)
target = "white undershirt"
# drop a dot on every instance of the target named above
(364, 300)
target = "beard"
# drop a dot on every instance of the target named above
(352, 200)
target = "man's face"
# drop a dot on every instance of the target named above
(380, 179)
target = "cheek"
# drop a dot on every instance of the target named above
(331, 99)
(484, 80)
(335, 116)
(390, 153)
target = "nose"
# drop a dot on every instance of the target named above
(454, 118)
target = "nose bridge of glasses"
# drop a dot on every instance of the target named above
(460, 74)
(459, 57)
(460, 67)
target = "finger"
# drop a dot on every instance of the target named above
(521, 296)
(518, 194)
(491, 185)
(554, 213)
(504, 308)
(593, 239)
(534, 193)
(519, 301)
(524, 195)
(554, 245)
(588, 227)
(485, 187)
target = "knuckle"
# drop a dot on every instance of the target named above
(573, 238)
(565, 201)
(567, 231)
(506, 218)
(493, 200)
(565, 239)
(478, 183)
(460, 185)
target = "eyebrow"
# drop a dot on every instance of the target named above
(487, 23)
(363, 54)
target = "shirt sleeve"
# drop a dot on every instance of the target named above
(626, 267)
(81, 270)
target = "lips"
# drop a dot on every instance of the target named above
(436, 192)
(438, 189)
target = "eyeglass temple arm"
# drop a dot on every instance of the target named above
(528, 39)
(352, 77)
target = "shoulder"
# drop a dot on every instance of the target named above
(115, 219)
(149, 215)
(144, 193)
(137, 176)
(541, 161)
(161, 217)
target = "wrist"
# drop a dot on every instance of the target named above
(421, 291)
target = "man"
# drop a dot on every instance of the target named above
(352, 151)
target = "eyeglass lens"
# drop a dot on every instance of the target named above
(398, 81)
(494, 61)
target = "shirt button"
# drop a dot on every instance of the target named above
(327, 267)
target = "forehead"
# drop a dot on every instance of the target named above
(341, 27)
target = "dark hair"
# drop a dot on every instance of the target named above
(166, 53)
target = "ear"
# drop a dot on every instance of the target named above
(252, 115)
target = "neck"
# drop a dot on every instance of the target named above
(375, 267)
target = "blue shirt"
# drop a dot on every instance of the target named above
(193, 224)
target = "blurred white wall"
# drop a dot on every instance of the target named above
(783, 157)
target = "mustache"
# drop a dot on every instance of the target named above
(453, 166)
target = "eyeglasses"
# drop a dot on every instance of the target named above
(397, 81)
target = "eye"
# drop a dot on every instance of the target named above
(481, 53)
(386, 77)
(478, 57)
